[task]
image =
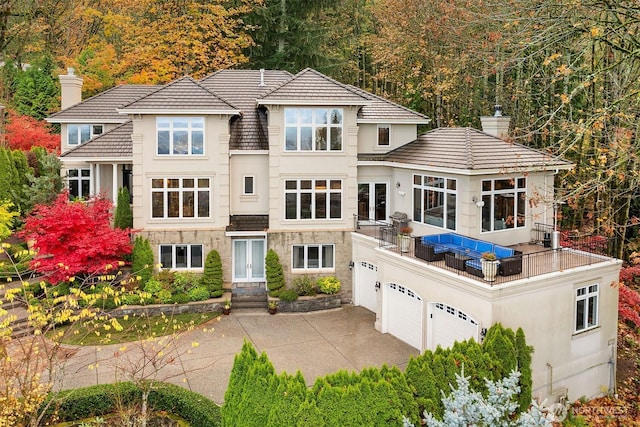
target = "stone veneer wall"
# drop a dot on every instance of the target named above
(307, 304)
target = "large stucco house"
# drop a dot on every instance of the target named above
(326, 174)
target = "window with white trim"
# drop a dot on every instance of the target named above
(180, 136)
(383, 135)
(434, 201)
(248, 182)
(181, 256)
(180, 197)
(313, 257)
(586, 307)
(79, 183)
(79, 134)
(313, 129)
(504, 203)
(313, 199)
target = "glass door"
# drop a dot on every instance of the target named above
(372, 201)
(248, 260)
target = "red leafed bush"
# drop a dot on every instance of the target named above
(75, 238)
(629, 305)
(25, 132)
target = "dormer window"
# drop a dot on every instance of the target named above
(79, 134)
(313, 129)
(383, 135)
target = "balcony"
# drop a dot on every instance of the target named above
(538, 257)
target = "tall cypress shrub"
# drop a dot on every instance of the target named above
(275, 273)
(242, 362)
(212, 274)
(123, 217)
(524, 366)
(142, 260)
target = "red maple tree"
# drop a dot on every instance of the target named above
(75, 237)
(25, 132)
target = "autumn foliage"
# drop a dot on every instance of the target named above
(75, 237)
(25, 132)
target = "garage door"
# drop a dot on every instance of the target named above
(404, 314)
(366, 276)
(447, 324)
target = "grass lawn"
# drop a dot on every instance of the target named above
(134, 328)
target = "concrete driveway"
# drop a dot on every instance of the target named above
(316, 344)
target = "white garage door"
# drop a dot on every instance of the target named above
(448, 324)
(366, 276)
(404, 314)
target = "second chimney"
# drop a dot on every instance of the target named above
(496, 125)
(71, 88)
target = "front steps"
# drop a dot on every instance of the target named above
(248, 298)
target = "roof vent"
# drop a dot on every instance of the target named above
(261, 76)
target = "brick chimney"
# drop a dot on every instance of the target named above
(496, 125)
(71, 88)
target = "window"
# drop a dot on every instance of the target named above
(79, 134)
(79, 182)
(180, 197)
(434, 201)
(383, 135)
(180, 136)
(247, 185)
(586, 307)
(181, 256)
(313, 257)
(504, 203)
(313, 199)
(313, 129)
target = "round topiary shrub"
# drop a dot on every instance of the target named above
(328, 285)
(153, 287)
(212, 274)
(274, 271)
(198, 293)
(288, 295)
(303, 285)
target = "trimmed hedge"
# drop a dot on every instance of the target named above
(99, 400)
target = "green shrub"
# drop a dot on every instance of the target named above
(180, 298)
(274, 271)
(304, 286)
(183, 281)
(165, 296)
(123, 218)
(166, 277)
(288, 295)
(142, 259)
(153, 287)
(328, 285)
(198, 293)
(193, 407)
(212, 274)
(136, 299)
(274, 293)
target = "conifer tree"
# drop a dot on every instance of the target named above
(212, 278)
(274, 271)
(524, 366)
(123, 217)
(142, 260)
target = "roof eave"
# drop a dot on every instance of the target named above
(466, 171)
(395, 121)
(329, 102)
(65, 159)
(178, 111)
(87, 121)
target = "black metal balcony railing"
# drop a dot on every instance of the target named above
(537, 257)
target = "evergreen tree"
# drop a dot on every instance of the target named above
(523, 352)
(502, 352)
(45, 183)
(274, 271)
(123, 217)
(290, 394)
(36, 91)
(309, 415)
(212, 274)
(142, 260)
(242, 362)
(8, 177)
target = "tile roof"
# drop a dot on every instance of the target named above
(248, 131)
(380, 110)
(102, 108)
(311, 86)
(470, 149)
(183, 95)
(115, 143)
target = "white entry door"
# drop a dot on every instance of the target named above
(365, 279)
(372, 201)
(447, 325)
(248, 260)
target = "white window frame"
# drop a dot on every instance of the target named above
(83, 176)
(167, 190)
(93, 130)
(388, 128)
(313, 192)
(306, 119)
(329, 265)
(489, 221)
(587, 300)
(189, 256)
(423, 185)
(245, 189)
(173, 125)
